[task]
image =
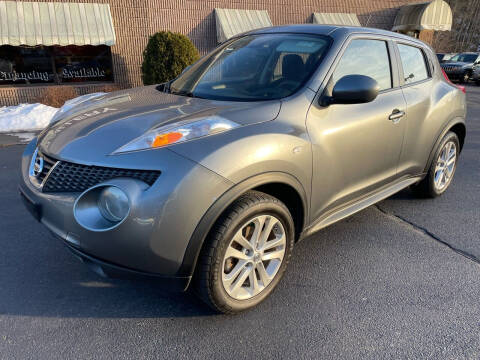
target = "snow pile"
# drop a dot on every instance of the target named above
(25, 117)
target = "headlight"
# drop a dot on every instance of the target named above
(113, 204)
(179, 132)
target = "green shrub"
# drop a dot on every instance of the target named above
(165, 57)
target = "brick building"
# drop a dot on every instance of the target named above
(96, 43)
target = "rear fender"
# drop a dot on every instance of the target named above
(455, 121)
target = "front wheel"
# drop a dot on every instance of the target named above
(465, 77)
(442, 169)
(245, 254)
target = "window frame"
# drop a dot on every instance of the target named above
(58, 82)
(392, 56)
(426, 62)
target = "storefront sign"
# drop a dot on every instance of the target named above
(83, 73)
(55, 64)
(24, 76)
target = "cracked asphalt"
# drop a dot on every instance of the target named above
(397, 280)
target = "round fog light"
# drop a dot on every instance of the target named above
(113, 204)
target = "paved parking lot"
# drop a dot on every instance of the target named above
(397, 280)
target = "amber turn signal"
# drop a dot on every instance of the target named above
(166, 139)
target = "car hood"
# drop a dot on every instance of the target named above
(100, 126)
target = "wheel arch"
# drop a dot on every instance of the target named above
(461, 131)
(456, 125)
(281, 185)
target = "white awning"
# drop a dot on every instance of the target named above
(231, 22)
(432, 15)
(55, 23)
(347, 19)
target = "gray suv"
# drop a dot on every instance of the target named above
(209, 180)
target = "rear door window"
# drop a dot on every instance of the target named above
(413, 63)
(366, 57)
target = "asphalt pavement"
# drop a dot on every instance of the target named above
(397, 280)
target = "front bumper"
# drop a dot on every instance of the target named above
(152, 240)
(109, 270)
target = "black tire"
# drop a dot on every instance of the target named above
(477, 82)
(207, 279)
(426, 188)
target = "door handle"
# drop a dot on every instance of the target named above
(396, 115)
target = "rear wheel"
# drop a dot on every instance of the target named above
(245, 254)
(442, 169)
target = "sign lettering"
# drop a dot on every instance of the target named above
(24, 76)
(83, 73)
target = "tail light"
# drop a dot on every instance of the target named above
(462, 88)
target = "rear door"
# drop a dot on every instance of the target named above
(356, 147)
(419, 89)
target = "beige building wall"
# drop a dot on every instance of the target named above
(136, 20)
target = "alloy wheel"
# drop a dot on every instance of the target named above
(445, 165)
(253, 257)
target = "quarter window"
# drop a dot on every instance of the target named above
(413, 62)
(366, 57)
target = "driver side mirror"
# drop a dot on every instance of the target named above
(353, 89)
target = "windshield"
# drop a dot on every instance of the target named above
(467, 58)
(253, 67)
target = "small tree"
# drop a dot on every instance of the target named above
(165, 57)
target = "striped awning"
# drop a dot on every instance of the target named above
(433, 15)
(55, 23)
(231, 22)
(346, 19)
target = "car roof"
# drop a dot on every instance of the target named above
(332, 30)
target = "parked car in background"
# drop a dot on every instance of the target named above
(460, 66)
(476, 73)
(442, 57)
(209, 180)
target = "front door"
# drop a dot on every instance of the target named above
(356, 148)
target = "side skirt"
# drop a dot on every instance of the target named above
(354, 207)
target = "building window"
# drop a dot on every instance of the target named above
(55, 64)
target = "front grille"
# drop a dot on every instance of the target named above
(71, 177)
(48, 162)
(450, 68)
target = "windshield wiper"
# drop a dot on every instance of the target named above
(181, 93)
(185, 93)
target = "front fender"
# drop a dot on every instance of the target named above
(213, 213)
